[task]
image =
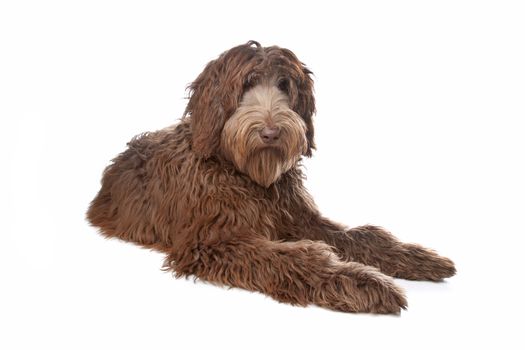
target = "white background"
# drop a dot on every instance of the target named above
(419, 129)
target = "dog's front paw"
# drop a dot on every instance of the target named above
(380, 293)
(360, 288)
(424, 264)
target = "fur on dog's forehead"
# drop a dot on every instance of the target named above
(266, 95)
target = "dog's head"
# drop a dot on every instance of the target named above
(253, 106)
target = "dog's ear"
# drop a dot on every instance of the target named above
(305, 106)
(215, 95)
(301, 91)
(206, 110)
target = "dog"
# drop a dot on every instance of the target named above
(221, 194)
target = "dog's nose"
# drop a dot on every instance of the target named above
(270, 134)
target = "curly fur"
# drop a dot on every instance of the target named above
(230, 209)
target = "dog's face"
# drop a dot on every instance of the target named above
(253, 106)
(264, 137)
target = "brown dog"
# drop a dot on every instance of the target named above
(222, 194)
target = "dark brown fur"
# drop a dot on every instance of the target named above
(180, 191)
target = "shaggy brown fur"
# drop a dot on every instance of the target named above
(222, 194)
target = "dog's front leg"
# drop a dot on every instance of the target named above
(302, 272)
(372, 245)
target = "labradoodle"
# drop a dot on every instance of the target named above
(222, 194)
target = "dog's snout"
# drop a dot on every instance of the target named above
(270, 134)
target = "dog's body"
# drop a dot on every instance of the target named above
(221, 193)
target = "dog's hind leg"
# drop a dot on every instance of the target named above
(302, 272)
(124, 209)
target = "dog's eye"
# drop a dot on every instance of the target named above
(250, 82)
(247, 85)
(283, 84)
